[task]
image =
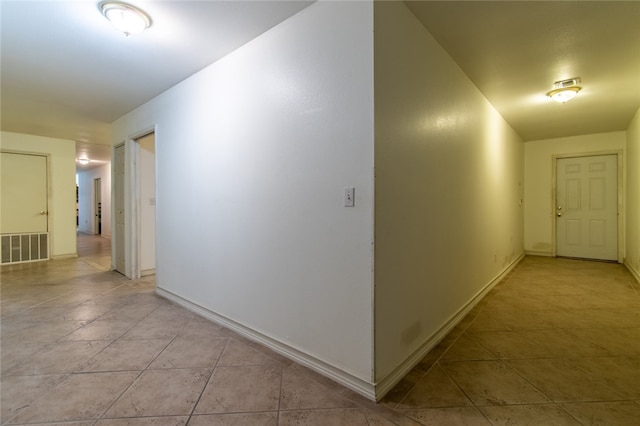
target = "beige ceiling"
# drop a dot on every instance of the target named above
(66, 73)
(515, 50)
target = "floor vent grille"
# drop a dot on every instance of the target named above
(20, 248)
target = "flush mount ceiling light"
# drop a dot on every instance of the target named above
(565, 90)
(126, 18)
(84, 161)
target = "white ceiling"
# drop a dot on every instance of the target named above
(66, 73)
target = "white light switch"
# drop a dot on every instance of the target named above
(349, 197)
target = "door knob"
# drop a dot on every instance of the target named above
(42, 212)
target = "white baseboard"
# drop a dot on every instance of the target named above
(64, 256)
(346, 379)
(387, 383)
(538, 253)
(634, 272)
(371, 391)
(147, 272)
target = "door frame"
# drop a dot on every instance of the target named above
(132, 215)
(97, 206)
(621, 201)
(137, 201)
(114, 213)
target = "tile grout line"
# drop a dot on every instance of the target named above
(584, 370)
(101, 416)
(280, 395)
(206, 384)
(489, 295)
(147, 367)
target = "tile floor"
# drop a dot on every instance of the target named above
(557, 342)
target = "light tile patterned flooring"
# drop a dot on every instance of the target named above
(557, 342)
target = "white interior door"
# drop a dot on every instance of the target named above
(24, 193)
(118, 192)
(587, 207)
(24, 209)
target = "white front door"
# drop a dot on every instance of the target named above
(587, 207)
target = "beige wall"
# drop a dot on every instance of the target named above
(538, 211)
(62, 184)
(632, 231)
(449, 180)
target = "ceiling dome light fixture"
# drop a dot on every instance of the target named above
(84, 160)
(565, 90)
(126, 18)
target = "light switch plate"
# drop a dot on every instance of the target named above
(349, 197)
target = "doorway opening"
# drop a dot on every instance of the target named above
(134, 193)
(146, 188)
(94, 213)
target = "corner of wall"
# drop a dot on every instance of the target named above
(632, 214)
(251, 169)
(448, 193)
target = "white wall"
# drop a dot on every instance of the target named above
(538, 212)
(632, 231)
(86, 206)
(62, 185)
(253, 154)
(449, 180)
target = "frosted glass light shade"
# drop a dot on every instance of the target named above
(564, 95)
(126, 18)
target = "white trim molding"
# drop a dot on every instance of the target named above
(634, 272)
(346, 379)
(388, 382)
(374, 392)
(64, 256)
(147, 272)
(538, 253)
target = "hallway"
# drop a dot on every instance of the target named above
(95, 250)
(556, 342)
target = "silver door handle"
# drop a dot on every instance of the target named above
(559, 214)
(42, 212)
